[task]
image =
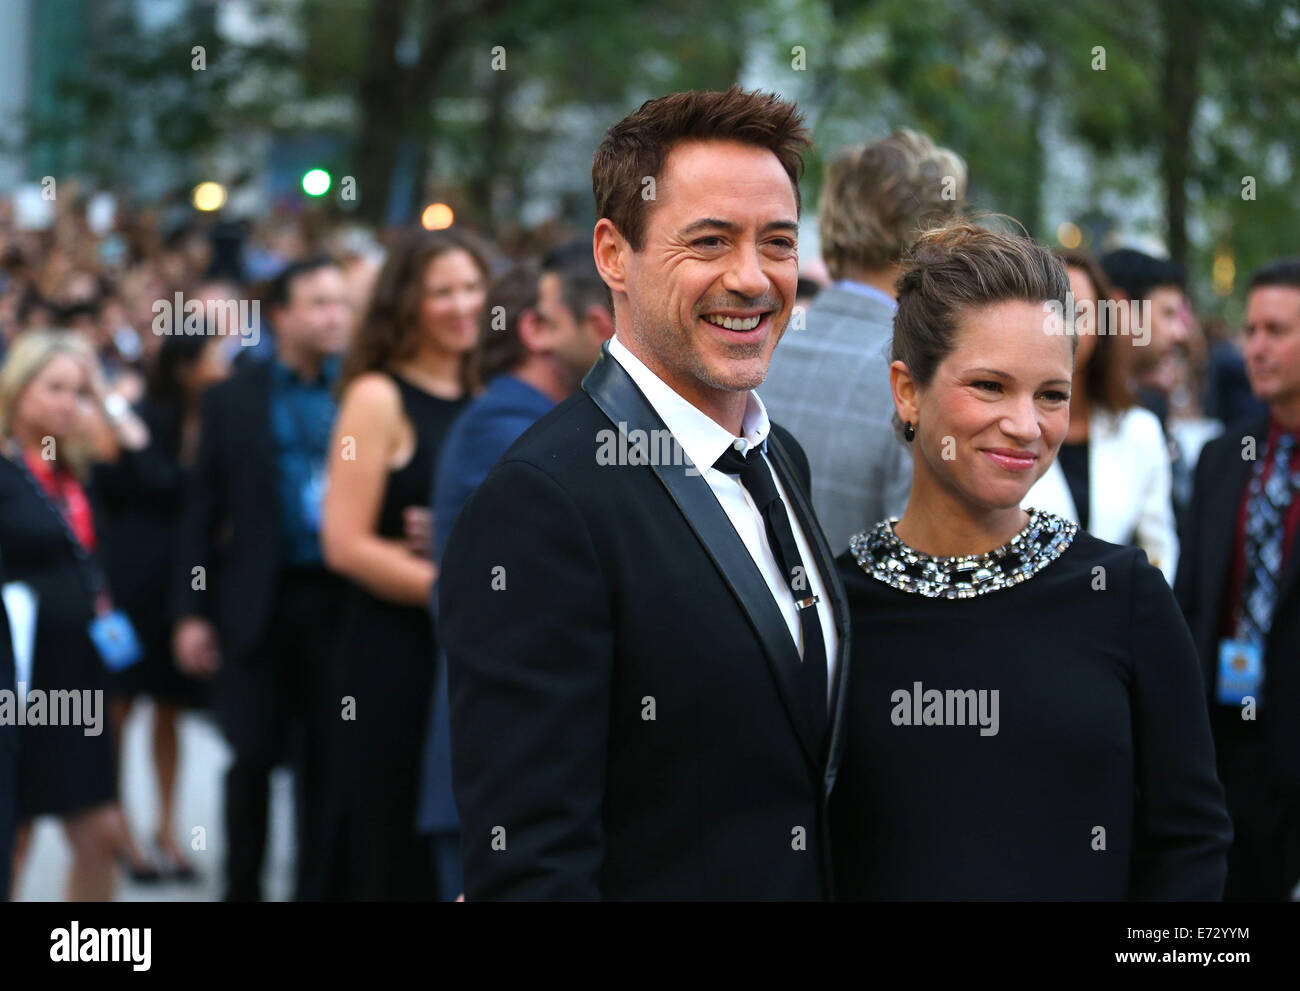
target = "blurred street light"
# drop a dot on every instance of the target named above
(437, 216)
(316, 182)
(209, 196)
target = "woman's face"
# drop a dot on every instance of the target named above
(50, 405)
(1085, 316)
(991, 420)
(453, 297)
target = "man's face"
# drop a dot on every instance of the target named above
(1169, 318)
(317, 316)
(576, 343)
(1273, 343)
(720, 248)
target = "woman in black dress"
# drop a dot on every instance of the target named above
(53, 420)
(407, 375)
(140, 493)
(1025, 713)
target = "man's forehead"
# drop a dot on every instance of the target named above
(725, 170)
(1274, 298)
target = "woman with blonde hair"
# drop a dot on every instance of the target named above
(55, 416)
(410, 370)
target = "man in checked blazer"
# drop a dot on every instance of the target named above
(829, 382)
(646, 658)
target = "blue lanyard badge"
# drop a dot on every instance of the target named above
(114, 637)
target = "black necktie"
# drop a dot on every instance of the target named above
(757, 480)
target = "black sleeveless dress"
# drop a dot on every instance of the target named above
(385, 663)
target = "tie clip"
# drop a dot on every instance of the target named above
(805, 603)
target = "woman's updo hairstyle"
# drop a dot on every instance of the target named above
(959, 267)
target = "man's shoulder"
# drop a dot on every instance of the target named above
(1234, 440)
(564, 439)
(835, 307)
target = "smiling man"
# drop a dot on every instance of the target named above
(645, 656)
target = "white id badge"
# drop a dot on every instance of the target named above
(1241, 671)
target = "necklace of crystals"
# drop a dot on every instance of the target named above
(882, 555)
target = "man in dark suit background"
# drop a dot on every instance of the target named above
(253, 600)
(1239, 585)
(554, 322)
(644, 626)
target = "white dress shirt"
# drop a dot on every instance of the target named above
(703, 440)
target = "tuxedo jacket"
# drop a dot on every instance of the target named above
(624, 714)
(1222, 475)
(229, 525)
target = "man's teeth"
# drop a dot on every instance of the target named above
(728, 323)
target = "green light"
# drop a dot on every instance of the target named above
(316, 182)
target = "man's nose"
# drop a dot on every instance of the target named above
(745, 276)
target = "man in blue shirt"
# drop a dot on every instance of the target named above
(543, 332)
(253, 601)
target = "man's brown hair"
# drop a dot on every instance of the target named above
(637, 146)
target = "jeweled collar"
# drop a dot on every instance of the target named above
(883, 556)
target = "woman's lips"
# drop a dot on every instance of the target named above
(1011, 460)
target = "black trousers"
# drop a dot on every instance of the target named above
(277, 706)
(1264, 861)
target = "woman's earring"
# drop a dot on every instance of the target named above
(909, 431)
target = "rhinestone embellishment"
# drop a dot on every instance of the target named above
(882, 555)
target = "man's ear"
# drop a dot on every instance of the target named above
(532, 332)
(906, 400)
(610, 250)
(600, 320)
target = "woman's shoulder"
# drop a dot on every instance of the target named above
(1118, 563)
(376, 393)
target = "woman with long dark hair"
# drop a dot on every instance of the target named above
(1112, 475)
(141, 493)
(409, 371)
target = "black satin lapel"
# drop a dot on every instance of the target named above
(839, 601)
(617, 395)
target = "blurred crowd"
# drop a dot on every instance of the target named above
(266, 505)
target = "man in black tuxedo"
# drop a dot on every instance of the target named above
(1239, 585)
(253, 600)
(645, 631)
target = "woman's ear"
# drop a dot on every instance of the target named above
(906, 398)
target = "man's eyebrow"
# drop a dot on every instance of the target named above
(708, 223)
(731, 227)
